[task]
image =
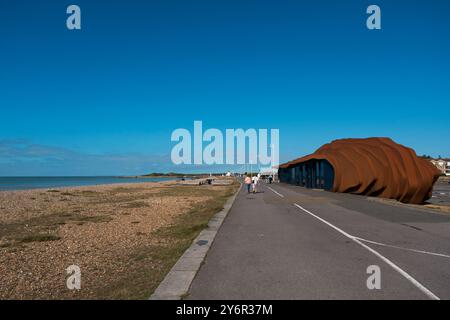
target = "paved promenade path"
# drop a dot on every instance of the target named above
(288, 242)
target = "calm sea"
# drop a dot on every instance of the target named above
(21, 183)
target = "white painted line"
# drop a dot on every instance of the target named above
(402, 248)
(416, 283)
(276, 192)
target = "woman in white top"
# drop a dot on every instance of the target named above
(255, 181)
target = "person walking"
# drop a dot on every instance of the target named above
(255, 184)
(248, 182)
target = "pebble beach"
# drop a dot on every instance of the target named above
(102, 229)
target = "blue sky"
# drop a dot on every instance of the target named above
(105, 99)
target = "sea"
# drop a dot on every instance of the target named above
(23, 183)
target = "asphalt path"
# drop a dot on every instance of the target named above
(288, 242)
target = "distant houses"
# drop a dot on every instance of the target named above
(443, 165)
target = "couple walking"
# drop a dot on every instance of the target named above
(252, 183)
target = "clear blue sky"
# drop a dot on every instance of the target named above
(105, 99)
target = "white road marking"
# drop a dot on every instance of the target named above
(402, 248)
(416, 283)
(389, 262)
(276, 192)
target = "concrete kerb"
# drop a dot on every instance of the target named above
(177, 282)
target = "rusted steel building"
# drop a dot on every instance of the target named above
(373, 167)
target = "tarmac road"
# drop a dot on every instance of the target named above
(441, 193)
(287, 242)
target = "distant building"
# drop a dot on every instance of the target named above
(443, 165)
(447, 170)
(269, 171)
(440, 164)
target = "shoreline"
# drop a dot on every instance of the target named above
(86, 183)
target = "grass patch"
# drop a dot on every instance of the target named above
(96, 219)
(127, 190)
(121, 199)
(135, 204)
(46, 224)
(38, 238)
(88, 193)
(6, 245)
